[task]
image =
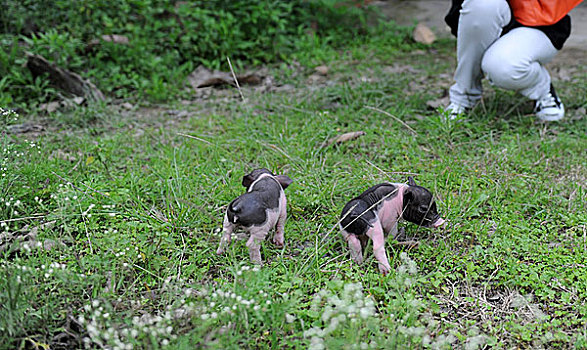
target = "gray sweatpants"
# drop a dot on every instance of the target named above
(514, 61)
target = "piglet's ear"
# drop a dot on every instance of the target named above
(247, 180)
(411, 181)
(283, 180)
(408, 194)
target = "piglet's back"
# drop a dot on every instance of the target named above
(267, 190)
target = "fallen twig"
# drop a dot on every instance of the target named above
(391, 172)
(349, 136)
(394, 117)
(194, 137)
(235, 79)
(79, 189)
(270, 145)
(36, 216)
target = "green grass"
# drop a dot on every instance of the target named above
(132, 211)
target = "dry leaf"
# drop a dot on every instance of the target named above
(322, 70)
(423, 34)
(444, 101)
(343, 138)
(127, 105)
(203, 77)
(249, 79)
(115, 38)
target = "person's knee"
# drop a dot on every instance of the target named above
(504, 73)
(481, 13)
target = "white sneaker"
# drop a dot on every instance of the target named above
(549, 107)
(455, 110)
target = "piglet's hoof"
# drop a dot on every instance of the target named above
(279, 244)
(384, 269)
(257, 262)
(219, 251)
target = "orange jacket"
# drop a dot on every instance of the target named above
(535, 13)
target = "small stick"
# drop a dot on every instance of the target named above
(195, 138)
(393, 116)
(182, 254)
(360, 215)
(71, 184)
(235, 80)
(147, 271)
(391, 172)
(79, 189)
(37, 216)
(88, 235)
(270, 145)
(295, 109)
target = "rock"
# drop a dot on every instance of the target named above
(24, 128)
(62, 79)
(423, 34)
(49, 107)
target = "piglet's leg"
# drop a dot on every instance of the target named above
(227, 228)
(279, 238)
(393, 230)
(354, 246)
(258, 235)
(376, 235)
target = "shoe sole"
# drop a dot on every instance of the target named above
(552, 117)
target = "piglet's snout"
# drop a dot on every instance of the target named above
(438, 223)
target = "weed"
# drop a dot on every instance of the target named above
(163, 43)
(120, 211)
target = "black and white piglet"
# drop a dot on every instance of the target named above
(375, 213)
(260, 209)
